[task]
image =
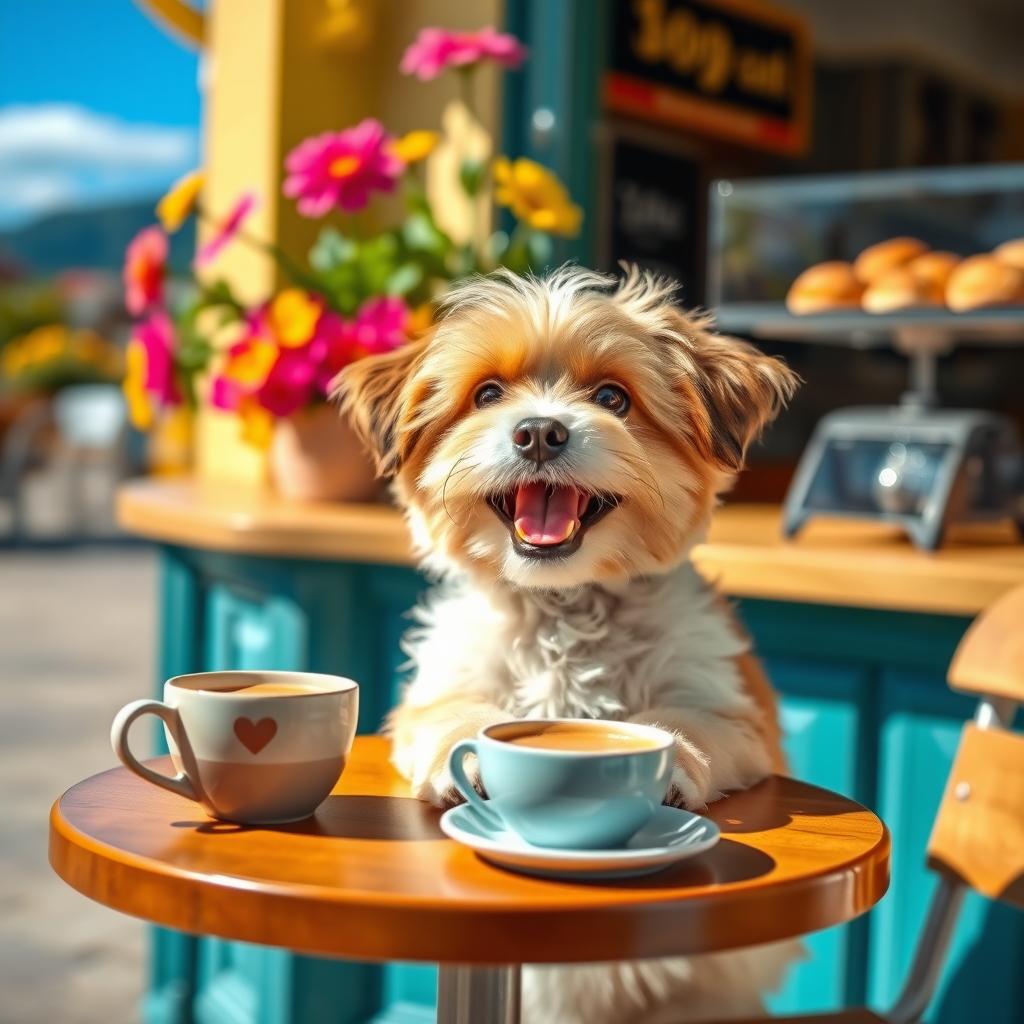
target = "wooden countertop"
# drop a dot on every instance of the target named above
(832, 562)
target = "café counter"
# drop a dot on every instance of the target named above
(855, 626)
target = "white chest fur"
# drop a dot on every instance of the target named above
(591, 652)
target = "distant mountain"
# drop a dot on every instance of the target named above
(95, 238)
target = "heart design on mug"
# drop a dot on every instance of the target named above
(255, 735)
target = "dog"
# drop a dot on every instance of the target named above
(558, 445)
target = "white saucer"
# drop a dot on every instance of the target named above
(670, 836)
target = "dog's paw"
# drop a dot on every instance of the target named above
(685, 792)
(690, 787)
(438, 787)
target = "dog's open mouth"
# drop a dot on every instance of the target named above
(549, 520)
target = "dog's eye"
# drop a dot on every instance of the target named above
(487, 394)
(612, 398)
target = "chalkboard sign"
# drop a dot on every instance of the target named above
(727, 68)
(653, 217)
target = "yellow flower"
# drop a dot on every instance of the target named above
(257, 423)
(536, 197)
(293, 317)
(140, 408)
(251, 363)
(413, 147)
(45, 343)
(179, 201)
(13, 359)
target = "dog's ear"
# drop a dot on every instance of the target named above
(732, 390)
(373, 393)
(742, 391)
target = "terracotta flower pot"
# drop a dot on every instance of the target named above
(316, 456)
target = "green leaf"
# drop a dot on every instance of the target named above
(471, 176)
(421, 234)
(496, 247)
(405, 279)
(332, 249)
(539, 249)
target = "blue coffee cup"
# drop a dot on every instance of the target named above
(596, 795)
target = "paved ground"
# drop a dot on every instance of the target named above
(76, 642)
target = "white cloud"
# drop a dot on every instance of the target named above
(55, 156)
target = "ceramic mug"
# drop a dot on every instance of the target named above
(261, 748)
(596, 798)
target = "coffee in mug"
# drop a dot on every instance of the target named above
(580, 737)
(567, 783)
(259, 748)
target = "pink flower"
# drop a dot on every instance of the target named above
(436, 49)
(145, 264)
(380, 324)
(342, 169)
(156, 337)
(226, 230)
(291, 382)
(340, 349)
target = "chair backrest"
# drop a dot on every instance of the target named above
(979, 830)
(990, 658)
(978, 837)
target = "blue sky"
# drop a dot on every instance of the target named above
(97, 104)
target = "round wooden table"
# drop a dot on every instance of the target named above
(372, 877)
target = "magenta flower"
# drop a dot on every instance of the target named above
(291, 383)
(379, 325)
(342, 169)
(436, 49)
(156, 337)
(145, 264)
(226, 230)
(226, 394)
(340, 348)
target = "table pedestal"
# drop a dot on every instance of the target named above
(478, 995)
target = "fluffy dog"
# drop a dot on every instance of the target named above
(558, 445)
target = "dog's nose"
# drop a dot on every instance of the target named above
(539, 439)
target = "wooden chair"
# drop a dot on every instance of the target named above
(978, 838)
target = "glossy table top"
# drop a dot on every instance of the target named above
(372, 877)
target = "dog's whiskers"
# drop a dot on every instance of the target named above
(444, 487)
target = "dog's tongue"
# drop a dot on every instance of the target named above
(547, 515)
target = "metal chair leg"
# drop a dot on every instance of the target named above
(478, 995)
(930, 955)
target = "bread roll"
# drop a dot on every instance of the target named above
(879, 259)
(900, 289)
(824, 287)
(1011, 253)
(932, 272)
(984, 281)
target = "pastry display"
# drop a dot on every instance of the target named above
(981, 281)
(877, 260)
(1011, 252)
(932, 270)
(900, 289)
(902, 273)
(823, 288)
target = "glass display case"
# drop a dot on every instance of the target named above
(917, 464)
(763, 233)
